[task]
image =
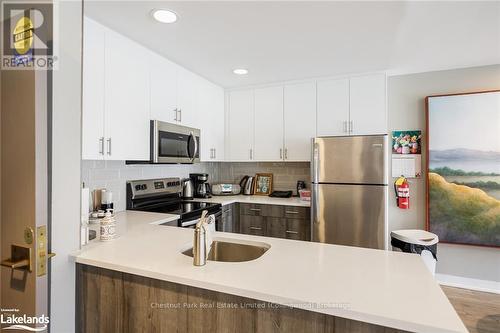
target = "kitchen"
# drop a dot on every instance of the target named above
(294, 156)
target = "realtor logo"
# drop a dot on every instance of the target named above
(27, 35)
(11, 319)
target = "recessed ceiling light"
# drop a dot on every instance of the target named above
(240, 71)
(164, 15)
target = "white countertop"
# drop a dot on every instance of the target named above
(386, 288)
(256, 199)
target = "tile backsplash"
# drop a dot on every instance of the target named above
(113, 175)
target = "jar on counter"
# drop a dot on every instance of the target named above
(108, 227)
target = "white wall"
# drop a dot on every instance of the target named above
(66, 147)
(406, 95)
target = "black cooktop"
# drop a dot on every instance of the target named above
(188, 210)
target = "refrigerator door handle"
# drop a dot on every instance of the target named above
(315, 161)
(314, 212)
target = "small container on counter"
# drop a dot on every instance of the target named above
(106, 200)
(108, 227)
(305, 195)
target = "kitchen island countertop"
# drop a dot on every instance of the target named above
(391, 289)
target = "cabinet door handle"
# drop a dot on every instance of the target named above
(109, 146)
(351, 126)
(211, 153)
(255, 228)
(215, 153)
(251, 153)
(292, 232)
(255, 209)
(290, 212)
(175, 111)
(286, 153)
(101, 145)
(281, 153)
(180, 115)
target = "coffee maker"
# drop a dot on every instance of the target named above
(201, 187)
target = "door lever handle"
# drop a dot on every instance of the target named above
(51, 255)
(15, 264)
(20, 257)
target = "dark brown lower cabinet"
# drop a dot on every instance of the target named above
(110, 301)
(275, 221)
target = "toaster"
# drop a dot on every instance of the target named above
(226, 189)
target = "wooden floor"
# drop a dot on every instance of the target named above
(479, 311)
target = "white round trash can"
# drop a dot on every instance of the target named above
(421, 242)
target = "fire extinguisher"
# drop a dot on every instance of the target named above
(402, 189)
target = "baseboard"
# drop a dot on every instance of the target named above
(468, 283)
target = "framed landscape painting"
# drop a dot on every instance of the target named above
(463, 164)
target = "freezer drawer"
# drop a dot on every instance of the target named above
(352, 215)
(350, 159)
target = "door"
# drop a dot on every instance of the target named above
(127, 99)
(350, 160)
(93, 91)
(299, 120)
(241, 124)
(210, 107)
(353, 215)
(333, 107)
(186, 97)
(368, 113)
(163, 94)
(24, 194)
(268, 128)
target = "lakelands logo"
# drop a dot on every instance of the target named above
(27, 35)
(14, 321)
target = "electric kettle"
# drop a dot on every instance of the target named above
(187, 189)
(246, 185)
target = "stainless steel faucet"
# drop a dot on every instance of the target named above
(200, 242)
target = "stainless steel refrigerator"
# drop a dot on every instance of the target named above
(349, 190)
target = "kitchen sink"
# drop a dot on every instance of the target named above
(233, 250)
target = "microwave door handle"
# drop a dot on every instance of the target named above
(193, 138)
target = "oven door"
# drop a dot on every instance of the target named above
(174, 143)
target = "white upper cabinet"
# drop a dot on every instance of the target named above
(333, 107)
(353, 106)
(126, 85)
(368, 112)
(299, 120)
(127, 99)
(268, 130)
(210, 109)
(241, 125)
(163, 93)
(93, 92)
(187, 83)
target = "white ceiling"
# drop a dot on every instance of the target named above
(278, 41)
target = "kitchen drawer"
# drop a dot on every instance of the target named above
(295, 212)
(261, 210)
(253, 225)
(276, 227)
(299, 229)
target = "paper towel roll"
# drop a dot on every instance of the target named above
(85, 205)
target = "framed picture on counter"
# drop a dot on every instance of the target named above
(263, 183)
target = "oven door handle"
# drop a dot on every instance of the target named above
(189, 223)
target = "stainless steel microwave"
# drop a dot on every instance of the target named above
(172, 143)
